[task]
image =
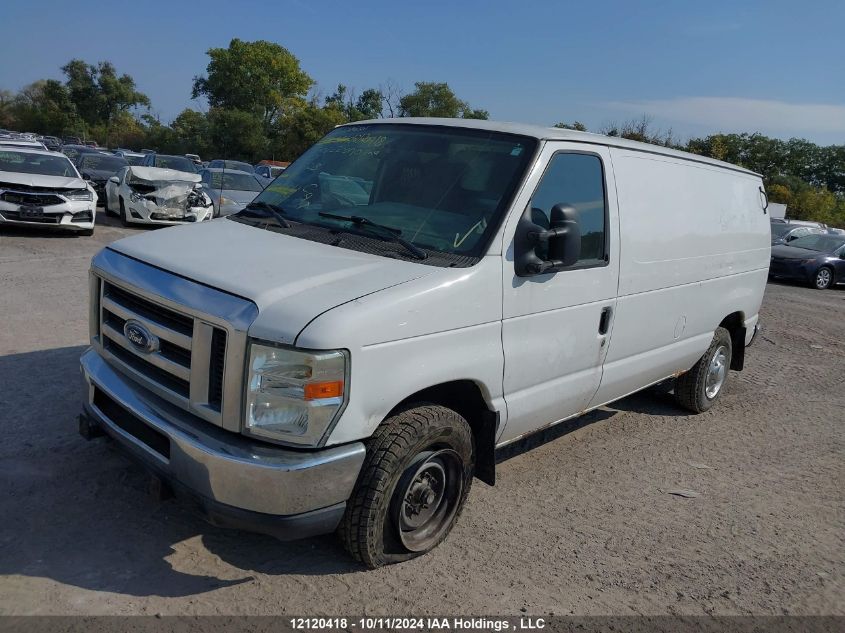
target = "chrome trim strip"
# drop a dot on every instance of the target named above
(159, 330)
(224, 466)
(154, 358)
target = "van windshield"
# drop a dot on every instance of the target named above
(444, 188)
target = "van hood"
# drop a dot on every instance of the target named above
(38, 180)
(291, 280)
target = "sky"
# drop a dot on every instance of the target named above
(696, 67)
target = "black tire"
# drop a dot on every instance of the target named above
(419, 436)
(692, 387)
(107, 207)
(124, 218)
(823, 279)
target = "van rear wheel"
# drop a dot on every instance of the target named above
(412, 487)
(698, 388)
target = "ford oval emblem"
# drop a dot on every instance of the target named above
(141, 338)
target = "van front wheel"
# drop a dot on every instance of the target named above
(412, 487)
(700, 387)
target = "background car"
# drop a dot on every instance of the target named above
(21, 143)
(40, 188)
(169, 161)
(52, 143)
(132, 157)
(194, 158)
(219, 163)
(816, 259)
(157, 195)
(230, 190)
(73, 151)
(97, 168)
(267, 173)
(783, 233)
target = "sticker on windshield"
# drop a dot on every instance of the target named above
(516, 151)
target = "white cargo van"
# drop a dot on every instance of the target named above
(350, 350)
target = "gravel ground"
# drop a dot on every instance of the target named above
(580, 524)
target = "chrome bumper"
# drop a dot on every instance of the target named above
(254, 484)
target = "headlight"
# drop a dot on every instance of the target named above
(83, 195)
(292, 395)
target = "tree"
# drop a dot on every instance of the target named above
(45, 105)
(98, 93)
(254, 77)
(575, 125)
(437, 100)
(237, 134)
(303, 126)
(369, 104)
(193, 131)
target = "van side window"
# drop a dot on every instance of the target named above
(576, 180)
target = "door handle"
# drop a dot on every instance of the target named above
(604, 320)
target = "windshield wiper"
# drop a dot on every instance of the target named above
(388, 232)
(271, 210)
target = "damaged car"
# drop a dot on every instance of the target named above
(155, 195)
(97, 168)
(40, 188)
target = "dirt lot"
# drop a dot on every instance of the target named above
(581, 524)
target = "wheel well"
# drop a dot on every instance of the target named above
(735, 324)
(465, 398)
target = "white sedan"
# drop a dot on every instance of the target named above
(155, 195)
(40, 188)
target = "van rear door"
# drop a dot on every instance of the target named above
(556, 326)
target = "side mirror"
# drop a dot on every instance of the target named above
(115, 180)
(559, 245)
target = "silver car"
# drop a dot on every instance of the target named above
(230, 190)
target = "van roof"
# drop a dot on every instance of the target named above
(558, 134)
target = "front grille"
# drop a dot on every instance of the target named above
(187, 359)
(49, 218)
(33, 199)
(215, 368)
(137, 428)
(148, 310)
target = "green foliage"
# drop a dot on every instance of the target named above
(236, 133)
(255, 77)
(431, 99)
(575, 125)
(303, 126)
(98, 93)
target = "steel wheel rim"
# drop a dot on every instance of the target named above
(717, 371)
(427, 497)
(822, 278)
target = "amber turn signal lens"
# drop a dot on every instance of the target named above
(320, 390)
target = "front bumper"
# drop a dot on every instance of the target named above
(238, 482)
(148, 212)
(71, 216)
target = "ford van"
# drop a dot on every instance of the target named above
(349, 351)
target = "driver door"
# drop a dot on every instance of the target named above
(556, 326)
